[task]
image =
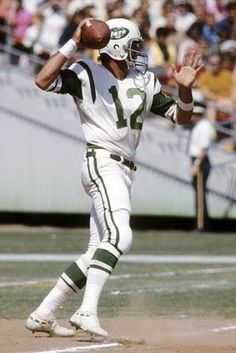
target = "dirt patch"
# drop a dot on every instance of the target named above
(134, 335)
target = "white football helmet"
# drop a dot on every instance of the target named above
(125, 43)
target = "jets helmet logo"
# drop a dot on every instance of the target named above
(119, 32)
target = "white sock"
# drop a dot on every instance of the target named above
(56, 297)
(94, 286)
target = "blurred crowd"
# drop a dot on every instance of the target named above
(169, 29)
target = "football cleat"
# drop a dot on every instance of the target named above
(87, 322)
(35, 324)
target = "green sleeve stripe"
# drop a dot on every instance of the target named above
(106, 257)
(70, 83)
(91, 80)
(161, 103)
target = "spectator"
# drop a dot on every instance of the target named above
(194, 33)
(228, 24)
(20, 20)
(209, 30)
(53, 25)
(32, 5)
(88, 9)
(5, 6)
(217, 8)
(31, 36)
(229, 46)
(166, 18)
(188, 42)
(160, 52)
(142, 20)
(129, 6)
(200, 13)
(201, 137)
(228, 50)
(184, 17)
(217, 85)
(115, 9)
(145, 6)
(203, 49)
(32, 33)
(71, 26)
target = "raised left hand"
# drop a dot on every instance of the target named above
(187, 73)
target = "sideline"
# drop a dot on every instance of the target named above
(138, 258)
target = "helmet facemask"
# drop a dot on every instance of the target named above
(136, 58)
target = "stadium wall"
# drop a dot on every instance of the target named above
(42, 147)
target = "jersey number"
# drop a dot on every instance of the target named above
(122, 122)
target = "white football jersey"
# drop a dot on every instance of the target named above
(112, 111)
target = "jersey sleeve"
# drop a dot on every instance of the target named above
(164, 106)
(67, 82)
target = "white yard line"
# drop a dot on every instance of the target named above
(128, 276)
(81, 348)
(177, 288)
(27, 283)
(163, 288)
(139, 258)
(210, 270)
(224, 328)
(173, 273)
(207, 331)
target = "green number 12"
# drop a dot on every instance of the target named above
(122, 122)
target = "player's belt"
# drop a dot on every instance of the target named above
(124, 161)
(102, 152)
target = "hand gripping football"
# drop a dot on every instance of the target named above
(95, 34)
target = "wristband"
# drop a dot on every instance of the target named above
(185, 106)
(68, 48)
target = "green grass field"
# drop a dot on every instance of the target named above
(135, 289)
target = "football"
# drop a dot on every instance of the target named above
(95, 34)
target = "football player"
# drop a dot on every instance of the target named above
(113, 98)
